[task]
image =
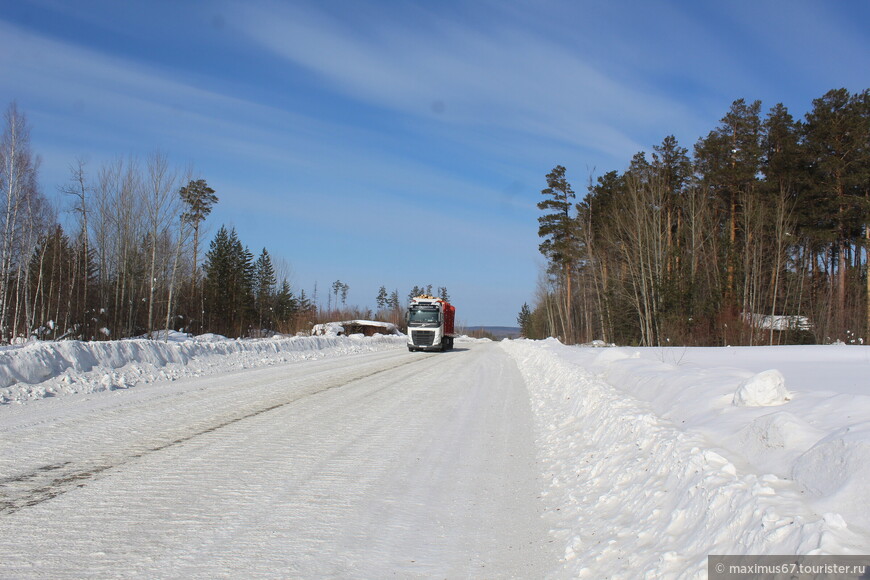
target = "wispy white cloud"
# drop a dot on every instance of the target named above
(68, 81)
(495, 76)
(132, 105)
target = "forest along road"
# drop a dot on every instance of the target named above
(374, 465)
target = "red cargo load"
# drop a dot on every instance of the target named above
(449, 315)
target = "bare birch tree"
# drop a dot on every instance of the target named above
(160, 207)
(18, 181)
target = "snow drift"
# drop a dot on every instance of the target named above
(642, 483)
(762, 390)
(46, 369)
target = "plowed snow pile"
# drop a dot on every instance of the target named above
(46, 369)
(656, 458)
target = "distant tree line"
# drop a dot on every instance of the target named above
(129, 264)
(760, 235)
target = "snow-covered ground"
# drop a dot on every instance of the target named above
(658, 457)
(37, 369)
(348, 456)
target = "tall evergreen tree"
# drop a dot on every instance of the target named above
(218, 268)
(784, 165)
(836, 137)
(381, 299)
(673, 169)
(561, 233)
(728, 161)
(784, 162)
(264, 290)
(304, 305)
(393, 300)
(339, 291)
(229, 282)
(524, 320)
(286, 304)
(198, 198)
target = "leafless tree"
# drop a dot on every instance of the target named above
(161, 205)
(20, 205)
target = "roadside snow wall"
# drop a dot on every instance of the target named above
(46, 369)
(630, 495)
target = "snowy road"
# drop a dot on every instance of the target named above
(373, 465)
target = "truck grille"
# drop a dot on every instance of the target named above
(423, 337)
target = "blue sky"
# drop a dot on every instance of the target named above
(402, 143)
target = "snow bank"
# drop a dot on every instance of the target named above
(635, 494)
(824, 413)
(775, 441)
(836, 471)
(762, 390)
(47, 369)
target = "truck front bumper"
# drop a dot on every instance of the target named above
(428, 339)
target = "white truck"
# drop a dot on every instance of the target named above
(430, 324)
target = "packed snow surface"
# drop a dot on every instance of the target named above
(361, 465)
(339, 456)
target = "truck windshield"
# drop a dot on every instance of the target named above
(423, 316)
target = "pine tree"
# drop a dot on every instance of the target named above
(199, 199)
(229, 283)
(218, 280)
(264, 289)
(524, 319)
(245, 305)
(729, 161)
(381, 299)
(783, 158)
(286, 305)
(305, 305)
(673, 169)
(836, 133)
(561, 233)
(340, 289)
